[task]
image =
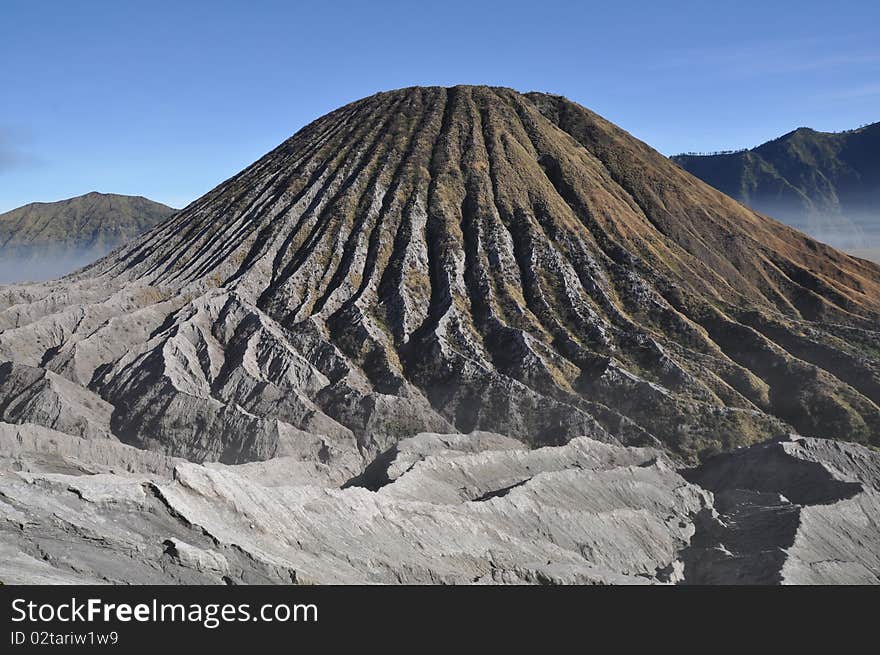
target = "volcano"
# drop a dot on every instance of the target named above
(447, 335)
(451, 260)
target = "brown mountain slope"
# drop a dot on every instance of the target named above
(459, 259)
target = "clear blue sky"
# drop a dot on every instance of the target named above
(166, 99)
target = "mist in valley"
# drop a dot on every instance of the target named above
(39, 266)
(854, 232)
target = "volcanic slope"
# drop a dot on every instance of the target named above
(450, 260)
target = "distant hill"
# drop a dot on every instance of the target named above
(825, 184)
(43, 240)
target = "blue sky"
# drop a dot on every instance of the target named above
(167, 99)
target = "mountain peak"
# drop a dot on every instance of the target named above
(48, 239)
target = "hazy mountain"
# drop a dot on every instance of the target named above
(825, 184)
(44, 240)
(501, 271)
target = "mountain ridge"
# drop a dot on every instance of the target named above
(825, 183)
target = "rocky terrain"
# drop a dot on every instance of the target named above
(452, 509)
(826, 184)
(447, 335)
(44, 240)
